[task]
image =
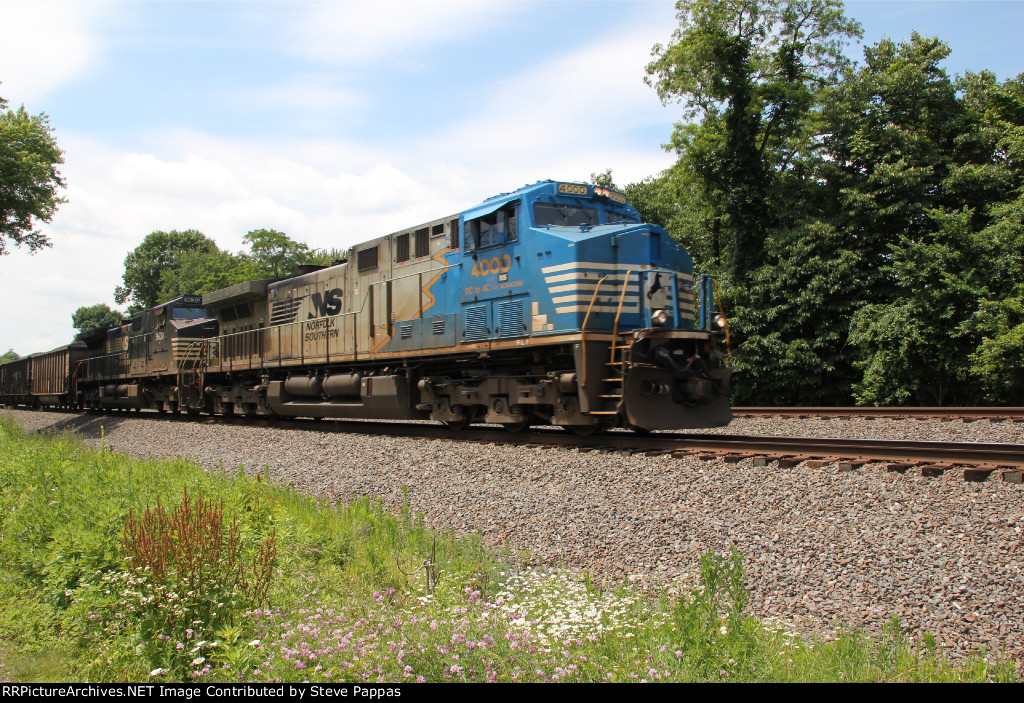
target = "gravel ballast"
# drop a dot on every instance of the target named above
(824, 549)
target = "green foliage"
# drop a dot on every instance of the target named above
(326, 257)
(891, 129)
(145, 265)
(93, 317)
(915, 347)
(864, 221)
(185, 577)
(275, 253)
(29, 179)
(604, 179)
(199, 272)
(794, 316)
(9, 355)
(356, 594)
(750, 69)
(169, 264)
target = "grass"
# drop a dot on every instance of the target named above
(116, 569)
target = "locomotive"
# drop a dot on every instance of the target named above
(552, 304)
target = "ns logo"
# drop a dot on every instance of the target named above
(326, 303)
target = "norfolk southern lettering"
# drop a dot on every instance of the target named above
(328, 303)
(320, 329)
(318, 326)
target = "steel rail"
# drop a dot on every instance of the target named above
(975, 454)
(908, 412)
(988, 454)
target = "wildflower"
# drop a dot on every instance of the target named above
(724, 630)
(158, 672)
(198, 660)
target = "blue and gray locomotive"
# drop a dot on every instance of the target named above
(552, 304)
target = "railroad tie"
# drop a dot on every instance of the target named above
(935, 469)
(788, 462)
(978, 473)
(902, 466)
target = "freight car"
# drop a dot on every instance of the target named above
(552, 304)
(48, 379)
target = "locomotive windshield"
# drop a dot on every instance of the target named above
(563, 215)
(189, 313)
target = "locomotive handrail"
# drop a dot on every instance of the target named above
(363, 302)
(583, 329)
(618, 312)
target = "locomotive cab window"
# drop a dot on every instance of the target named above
(188, 313)
(614, 217)
(497, 228)
(563, 215)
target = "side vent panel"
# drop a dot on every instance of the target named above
(510, 318)
(474, 323)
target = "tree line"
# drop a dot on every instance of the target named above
(864, 219)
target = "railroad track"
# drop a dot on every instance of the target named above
(977, 460)
(921, 413)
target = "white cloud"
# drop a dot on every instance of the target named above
(391, 31)
(314, 92)
(568, 116)
(46, 43)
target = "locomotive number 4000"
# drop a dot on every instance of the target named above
(489, 267)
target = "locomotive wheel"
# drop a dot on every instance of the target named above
(457, 425)
(584, 430)
(639, 430)
(516, 427)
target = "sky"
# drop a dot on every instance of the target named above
(337, 122)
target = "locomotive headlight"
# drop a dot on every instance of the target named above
(718, 322)
(659, 318)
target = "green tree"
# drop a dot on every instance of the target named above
(9, 355)
(604, 179)
(891, 130)
(275, 253)
(995, 177)
(92, 317)
(326, 257)
(750, 70)
(145, 265)
(915, 347)
(794, 316)
(926, 174)
(201, 272)
(29, 179)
